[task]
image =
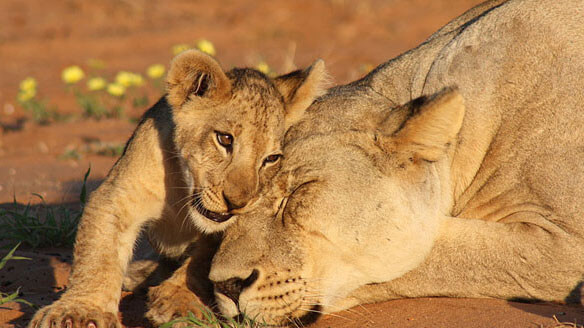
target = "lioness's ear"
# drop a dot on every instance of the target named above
(432, 125)
(194, 73)
(300, 88)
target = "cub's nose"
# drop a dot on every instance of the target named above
(234, 286)
(232, 204)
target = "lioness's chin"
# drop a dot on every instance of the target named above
(268, 316)
(272, 306)
(298, 319)
(226, 306)
(206, 225)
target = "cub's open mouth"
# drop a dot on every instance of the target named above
(213, 216)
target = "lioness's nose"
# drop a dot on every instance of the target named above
(234, 286)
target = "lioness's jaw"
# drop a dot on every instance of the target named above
(194, 73)
(431, 126)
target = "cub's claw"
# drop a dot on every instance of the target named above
(170, 301)
(71, 314)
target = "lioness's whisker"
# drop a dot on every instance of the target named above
(336, 315)
(337, 308)
(297, 323)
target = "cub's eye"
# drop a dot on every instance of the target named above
(272, 158)
(224, 139)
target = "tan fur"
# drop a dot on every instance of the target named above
(472, 192)
(300, 90)
(173, 160)
(187, 290)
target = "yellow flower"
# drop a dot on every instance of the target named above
(28, 84)
(116, 89)
(26, 95)
(206, 46)
(72, 74)
(177, 49)
(155, 71)
(128, 79)
(263, 67)
(96, 83)
(124, 78)
(137, 79)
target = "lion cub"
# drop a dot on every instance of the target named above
(197, 157)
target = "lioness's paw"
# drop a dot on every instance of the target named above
(71, 314)
(170, 301)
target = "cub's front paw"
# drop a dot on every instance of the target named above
(72, 314)
(170, 301)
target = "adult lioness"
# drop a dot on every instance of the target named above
(468, 192)
(198, 157)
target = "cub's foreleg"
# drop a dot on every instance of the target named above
(132, 194)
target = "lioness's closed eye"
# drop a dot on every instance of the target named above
(197, 157)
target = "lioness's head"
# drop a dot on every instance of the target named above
(350, 206)
(229, 129)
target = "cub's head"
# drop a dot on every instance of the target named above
(229, 127)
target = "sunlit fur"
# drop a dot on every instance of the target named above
(469, 191)
(172, 164)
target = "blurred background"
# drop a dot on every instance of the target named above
(61, 61)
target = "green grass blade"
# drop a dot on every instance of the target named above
(10, 256)
(83, 195)
(9, 298)
(5, 298)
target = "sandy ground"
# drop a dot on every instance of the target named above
(39, 38)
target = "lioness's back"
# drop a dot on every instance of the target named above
(520, 68)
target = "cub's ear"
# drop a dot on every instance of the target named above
(430, 125)
(300, 88)
(194, 73)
